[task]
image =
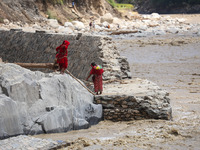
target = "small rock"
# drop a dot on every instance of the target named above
(6, 21)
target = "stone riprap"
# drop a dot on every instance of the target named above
(137, 25)
(34, 102)
(26, 47)
(134, 99)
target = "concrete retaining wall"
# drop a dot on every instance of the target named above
(19, 46)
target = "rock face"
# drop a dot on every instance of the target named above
(31, 11)
(34, 102)
(19, 10)
(95, 7)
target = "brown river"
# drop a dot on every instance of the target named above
(172, 62)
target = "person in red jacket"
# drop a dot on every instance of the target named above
(61, 56)
(97, 72)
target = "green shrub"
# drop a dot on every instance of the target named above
(120, 6)
(1, 20)
(57, 2)
(51, 15)
(124, 6)
(112, 2)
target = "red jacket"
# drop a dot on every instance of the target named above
(62, 49)
(62, 54)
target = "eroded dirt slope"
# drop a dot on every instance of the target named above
(30, 11)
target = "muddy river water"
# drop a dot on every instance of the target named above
(172, 62)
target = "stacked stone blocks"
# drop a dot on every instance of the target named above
(127, 108)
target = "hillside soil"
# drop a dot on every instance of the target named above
(31, 11)
(173, 62)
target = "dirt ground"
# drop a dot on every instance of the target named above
(172, 62)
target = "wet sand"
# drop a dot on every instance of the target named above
(172, 62)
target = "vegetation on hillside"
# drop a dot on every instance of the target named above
(51, 14)
(61, 2)
(1, 20)
(125, 1)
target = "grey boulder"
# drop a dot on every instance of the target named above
(34, 102)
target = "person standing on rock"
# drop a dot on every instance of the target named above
(61, 56)
(97, 79)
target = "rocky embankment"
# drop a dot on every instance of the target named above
(136, 26)
(30, 11)
(32, 16)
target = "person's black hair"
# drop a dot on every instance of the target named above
(93, 64)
